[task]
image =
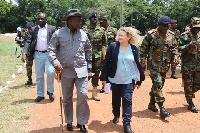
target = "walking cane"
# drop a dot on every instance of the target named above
(59, 82)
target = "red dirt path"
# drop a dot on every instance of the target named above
(46, 115)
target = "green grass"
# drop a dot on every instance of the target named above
(8, 61)
(14, 104)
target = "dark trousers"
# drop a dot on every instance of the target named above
(124, 91)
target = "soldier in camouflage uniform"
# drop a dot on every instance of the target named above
(29, 61)
(176, 32)
(111, 34)
(97, 37)
(158, 46)
(189, 46)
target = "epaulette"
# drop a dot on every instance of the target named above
(84, 27)
(185, 32)
(151, 31)
(171, 32)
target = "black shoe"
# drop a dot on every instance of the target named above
(38, 99)
(115, 120)
(82, 128)
(191, 106)
(173, 76)
(69, 127)
(102, 90)
(51, 96)
(29, 82)
(127, 130)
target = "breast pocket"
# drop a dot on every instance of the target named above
(65, 45)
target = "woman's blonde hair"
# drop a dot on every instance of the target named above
(132, 33)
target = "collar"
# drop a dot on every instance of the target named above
(43, 27)
(69, 31)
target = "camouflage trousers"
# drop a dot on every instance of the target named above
(191, 83)
(29, 65)
(173, 66)
(96, 68)
(158, 80)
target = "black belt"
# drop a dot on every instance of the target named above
(41, 51)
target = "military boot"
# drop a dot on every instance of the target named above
(29, 82)
(152, 105)
(191, 106)
(94, 94)
(163, 112)
(173, 75)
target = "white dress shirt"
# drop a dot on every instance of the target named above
(42, 39)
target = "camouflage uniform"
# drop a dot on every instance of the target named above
(98, 39)
(175, 49)
(29, 61)
(190, 63)
(111, 34)
(159, 50)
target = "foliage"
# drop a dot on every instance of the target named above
(138, 13)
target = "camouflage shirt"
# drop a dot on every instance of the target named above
(190, 55)
(97, 39)
(111, 34)
(158, 49)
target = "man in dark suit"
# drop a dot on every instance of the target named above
(36, 45)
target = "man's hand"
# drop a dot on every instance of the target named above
(58, 68)
(89, 74)
(143, 66)
(23, 57)
(192, 44)
(137, 86)
(104, 83)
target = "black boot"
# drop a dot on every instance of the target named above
(127, 130)
(173, 75)
(191, 106)
(152, 105)
(163, 112)
(29, 82)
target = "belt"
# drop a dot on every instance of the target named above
(41, 51)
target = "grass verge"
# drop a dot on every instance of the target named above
(15, 105)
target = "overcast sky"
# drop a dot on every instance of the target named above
(13, 1)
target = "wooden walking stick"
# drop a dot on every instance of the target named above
(58, 77)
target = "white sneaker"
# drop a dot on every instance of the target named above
(182, 88)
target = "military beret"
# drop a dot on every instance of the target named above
(93, 14)
(173, 21)
(195, 22)
(72, 13)
(29, 24)
(164, 20)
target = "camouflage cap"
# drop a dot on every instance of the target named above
(103, 17)
(195, 22)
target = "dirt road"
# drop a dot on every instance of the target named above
(46, 115)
